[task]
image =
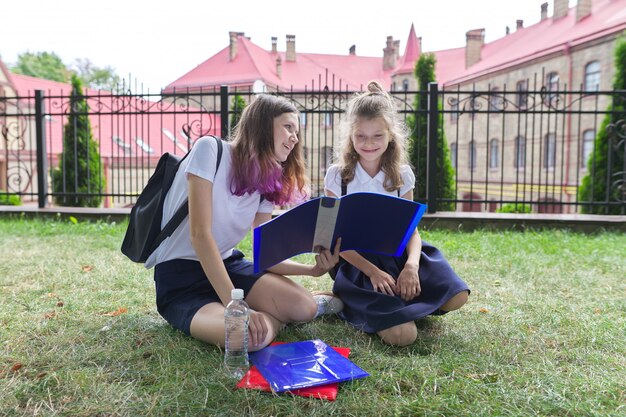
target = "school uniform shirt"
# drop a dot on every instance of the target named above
(233, 215)
(363, 182)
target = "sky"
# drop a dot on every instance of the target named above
(151, 43)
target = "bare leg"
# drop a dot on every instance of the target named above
(456, 302)
(208, 325)
(282, 298)
(401, 335)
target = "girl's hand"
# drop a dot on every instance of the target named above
(257, 328)
(408, 286)
(382, 282)
(325, 260)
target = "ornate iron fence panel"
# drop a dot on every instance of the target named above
(520, 150)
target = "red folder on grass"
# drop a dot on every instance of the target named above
(254, 380)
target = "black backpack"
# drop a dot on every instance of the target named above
(144, 232)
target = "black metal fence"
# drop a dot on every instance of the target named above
(526, 149)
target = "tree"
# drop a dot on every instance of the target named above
(80, 168)
(46, 65)
(49, 66)
(236, 108)
(418, 142)
(96, 77)
(606, 169)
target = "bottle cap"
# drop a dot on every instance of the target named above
(236, 294)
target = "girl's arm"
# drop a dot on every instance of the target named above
(408, 286)
(200, 225)
(324, 261)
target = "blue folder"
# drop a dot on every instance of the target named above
(367, 222)
(303, 364)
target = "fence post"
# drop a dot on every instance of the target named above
(42, 166)
(432, 149)
(224, 111)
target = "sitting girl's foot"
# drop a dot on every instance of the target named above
(327, 303)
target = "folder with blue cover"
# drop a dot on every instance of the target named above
(367, 222)
(303, 364)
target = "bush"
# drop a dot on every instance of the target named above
(418, 142)
(9, 199)
(514, 208)
(80, 168)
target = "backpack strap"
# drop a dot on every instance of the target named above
(183, 210)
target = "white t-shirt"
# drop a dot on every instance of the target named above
(232, 215)
(362, 181)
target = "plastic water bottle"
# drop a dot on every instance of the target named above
(236, 316)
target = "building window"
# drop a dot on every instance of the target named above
(302, 120)
(305, 153)
(328, 120)
(588, 138)
(493, 153)
(552, 86)
(472, 155)
(549, 151)
(592, 76)
(325, 158)
(393, 86)
(495, 100)
(522, 94)
(405, 85)
(453, 154)
(520, 152)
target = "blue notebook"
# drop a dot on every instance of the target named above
(303, 364)
(366, 222)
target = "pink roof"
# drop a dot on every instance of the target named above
(546, 37)
(255, 63)
(132, 126)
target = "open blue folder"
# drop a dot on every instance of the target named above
(366, 222)
(303, 364)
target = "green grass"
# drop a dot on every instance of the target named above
(544, 333)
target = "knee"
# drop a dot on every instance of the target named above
(304, 308)
(400, 335)
(456, 302)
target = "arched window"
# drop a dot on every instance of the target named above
(405, 85)
(493, 154)
(549, 151)
(472, 155)
(589, 136)
(592, 76)
(326, 157)
(453, 155)
(552, 85)
(520, 152)
(495, 100)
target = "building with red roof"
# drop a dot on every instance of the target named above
(570, 50)
(131, 131)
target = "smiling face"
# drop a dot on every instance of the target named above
(286, 128)
(370, 138)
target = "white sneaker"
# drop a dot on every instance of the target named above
(327, 303)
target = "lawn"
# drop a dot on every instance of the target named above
(544, 333)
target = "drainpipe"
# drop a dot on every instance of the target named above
(568, 131)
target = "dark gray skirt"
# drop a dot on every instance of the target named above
(371, 311)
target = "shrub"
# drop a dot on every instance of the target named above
(514, 208)
(9, 199)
